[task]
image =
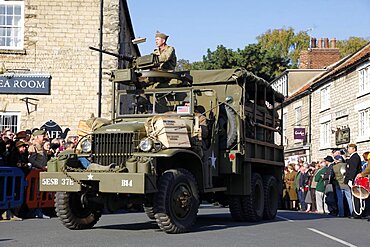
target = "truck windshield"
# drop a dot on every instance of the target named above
(151, 103)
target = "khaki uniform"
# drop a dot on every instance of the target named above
(289, 185)
(167, 57)
(38, 156)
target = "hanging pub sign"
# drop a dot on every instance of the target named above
(54, 130)
(12, 83)
(299, 133)
(342, 136)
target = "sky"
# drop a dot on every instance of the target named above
(194, 26)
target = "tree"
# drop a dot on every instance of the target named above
(353, 44)
(285, 43)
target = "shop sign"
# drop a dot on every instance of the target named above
(299, 133)
(11, 83)
(342, 136)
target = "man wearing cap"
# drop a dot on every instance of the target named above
(165, 53)
(38, 156)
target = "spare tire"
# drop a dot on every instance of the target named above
(227, 127)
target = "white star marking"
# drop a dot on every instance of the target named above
(90, 177)
(213, 160)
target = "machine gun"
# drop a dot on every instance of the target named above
(144, 62)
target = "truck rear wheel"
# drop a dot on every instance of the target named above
(253, 204)
(177, 201)
(235, 208)
(71, 212)
(271, 196)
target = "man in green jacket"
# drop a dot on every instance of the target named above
(165, 53)
(320, 189)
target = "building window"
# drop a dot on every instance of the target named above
(325, 132)
(325, 98)
(298, 116)
(281, 85)
(9, 120)
(364, 80)
(364, 124)
(11, 24)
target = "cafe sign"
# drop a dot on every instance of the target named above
(12, 83)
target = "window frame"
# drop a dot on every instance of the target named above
(363, 125)
(364, 80)
(14, 127)
(325, 135)
(325, 98)
(20, 26)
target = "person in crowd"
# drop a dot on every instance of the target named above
(308, 198)
(303, 187)
(62, 143)
(289, 185)
(73, 140)
(330, 197)
(18, 157)
(353, 168)
(341, 188)
(315, 169)
(49, 151)
(320, 189)
(366, 173)
(365, 156)
(22, 136)
(165, 53)
(38, 156)
(55, 146)
(297, 177)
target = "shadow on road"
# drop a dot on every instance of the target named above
(218, 221)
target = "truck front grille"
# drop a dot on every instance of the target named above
(111, 148)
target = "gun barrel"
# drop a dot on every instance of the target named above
(119, 56)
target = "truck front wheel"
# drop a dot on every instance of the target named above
(176, 203)
(72, 213)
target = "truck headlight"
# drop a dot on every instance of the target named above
(86, 146)
(146, 144)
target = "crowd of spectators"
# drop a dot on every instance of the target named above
(29, 150)
(325, 187)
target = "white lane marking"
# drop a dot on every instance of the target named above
(283, 218)
(331, 237)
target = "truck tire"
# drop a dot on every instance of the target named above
(253, 204)
(149, 212)
(235, 208)
(227, 125)
(271, 196)
(177, 201)
(69, 210)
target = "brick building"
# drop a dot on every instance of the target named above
(49, 72)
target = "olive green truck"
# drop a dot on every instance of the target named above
(176, 139)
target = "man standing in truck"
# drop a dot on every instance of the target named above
(165, 53)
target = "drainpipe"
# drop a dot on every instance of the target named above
(310, 124)
(100, 57)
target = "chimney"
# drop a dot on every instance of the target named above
(313, 42)
(326, 43)
(333, 43)
(319, 43)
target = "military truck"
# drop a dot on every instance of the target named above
(176, 139)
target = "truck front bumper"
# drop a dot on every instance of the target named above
(133, 183)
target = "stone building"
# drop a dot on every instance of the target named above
(48, 74)
(333, 109)
(296, 113)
